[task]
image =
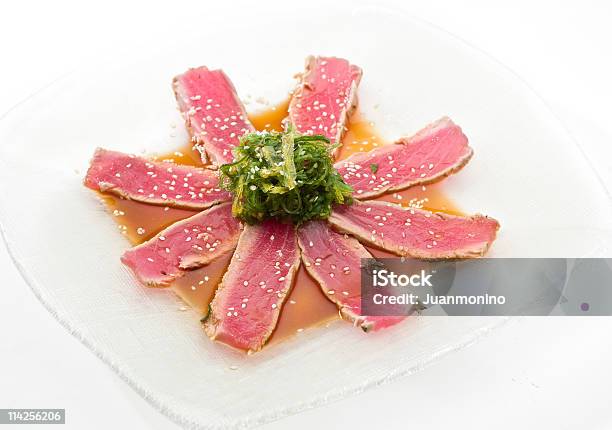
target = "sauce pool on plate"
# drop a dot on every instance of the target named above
(306, 306)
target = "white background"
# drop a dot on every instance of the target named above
(533, 373)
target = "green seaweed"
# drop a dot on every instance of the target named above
(283, 175)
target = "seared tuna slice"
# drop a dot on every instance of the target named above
(158, 183)
(187, 244)
(334, 261)
(214, 115)
(325, 96)
(416, 232)
(247, 304)
(433, 153)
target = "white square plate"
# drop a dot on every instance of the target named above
(527, 173)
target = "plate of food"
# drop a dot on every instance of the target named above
(196, 212)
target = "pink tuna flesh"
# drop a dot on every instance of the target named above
(247, 304)
(187, 244)
(432, 154)
(416, 232)
(325, 97)
(212, 111)
(157, 183)
(334, 261)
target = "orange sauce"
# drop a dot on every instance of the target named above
(360, 136)
(272, 118)
(139, 222)
(197, 287)
(188, 155)
(429, 197)
(306, 306)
